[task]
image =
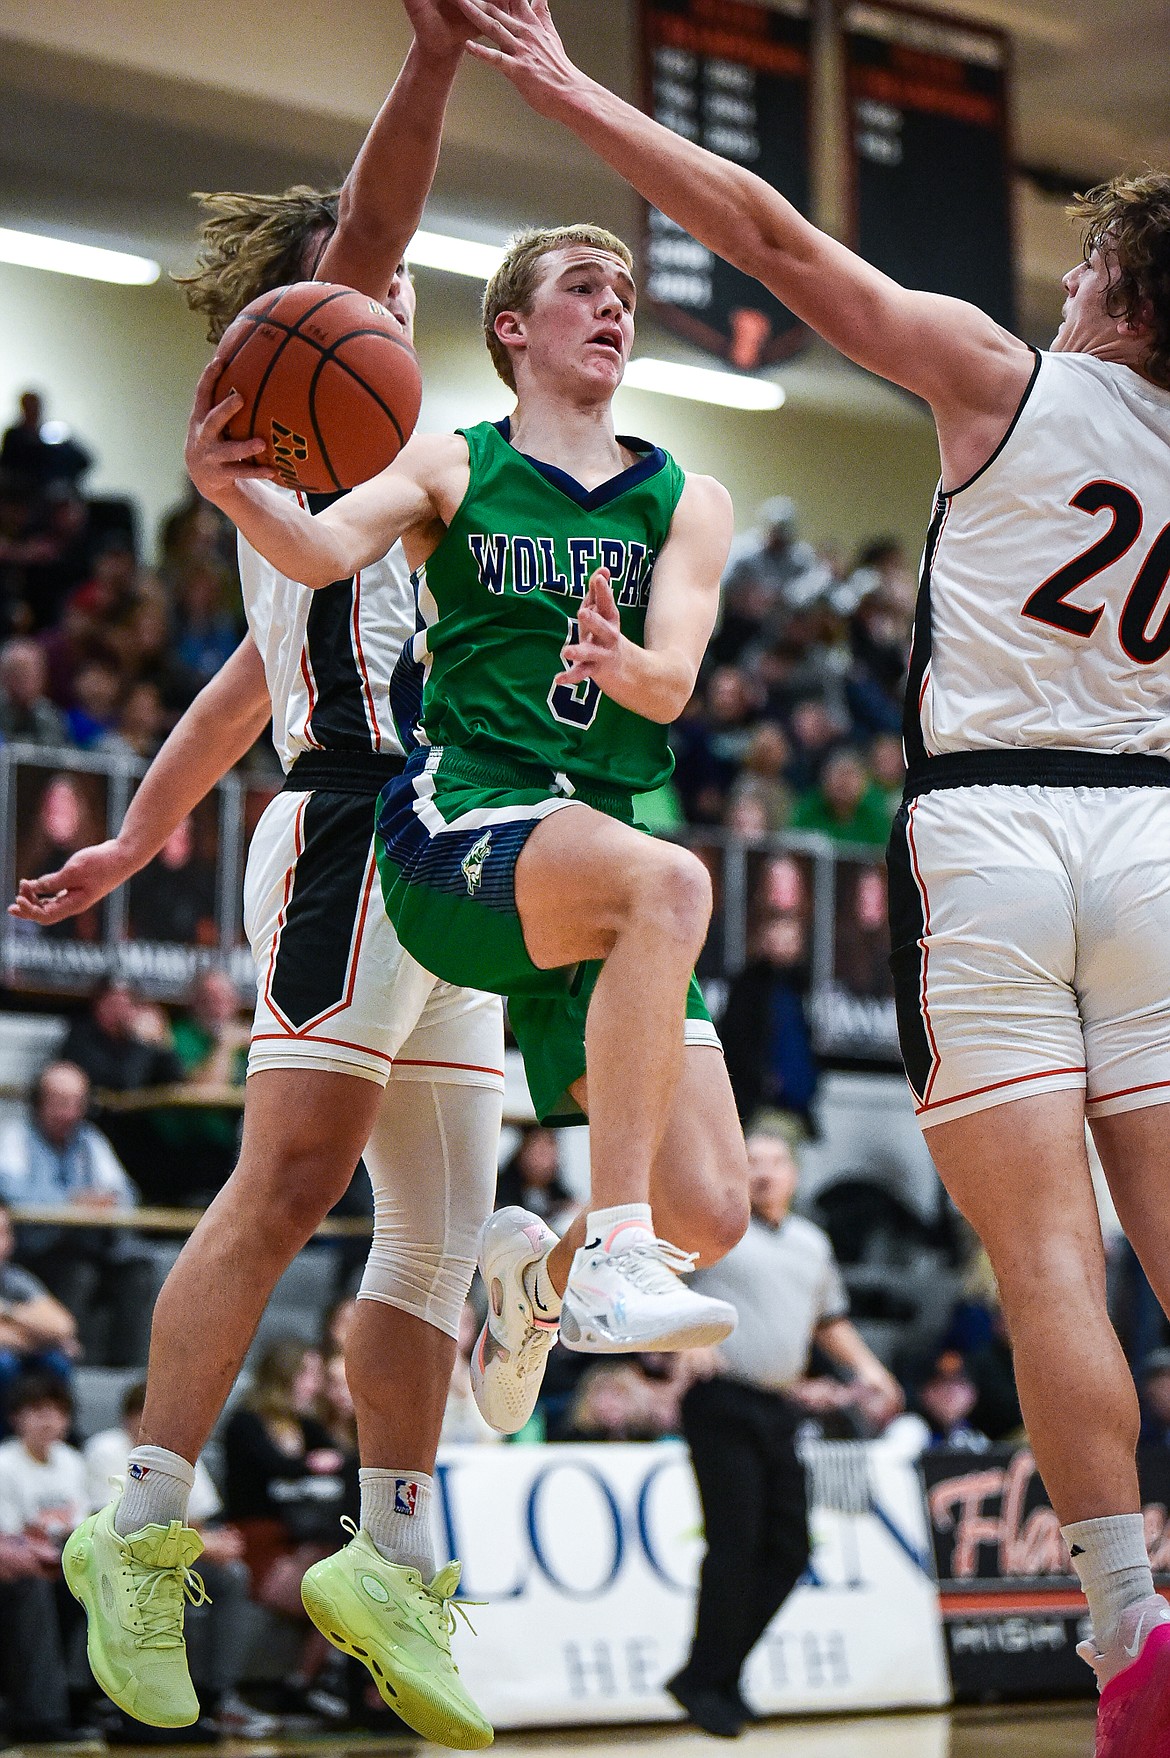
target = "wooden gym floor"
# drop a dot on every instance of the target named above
(1019, 1731)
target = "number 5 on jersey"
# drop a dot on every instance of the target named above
(575, 704)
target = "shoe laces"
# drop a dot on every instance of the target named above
(159, 1597)
(439, 1605)
(654, 1264)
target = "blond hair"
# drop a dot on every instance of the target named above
(514, 283)
(252, 243)
(1128, 221)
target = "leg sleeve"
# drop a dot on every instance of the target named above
(432, 1162)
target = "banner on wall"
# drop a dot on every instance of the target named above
(586, 1561)
(1011, 1604)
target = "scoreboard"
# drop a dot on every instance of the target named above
(733, 76)
(927, 170)
(928, 122)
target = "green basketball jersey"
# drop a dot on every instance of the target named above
(499, 598)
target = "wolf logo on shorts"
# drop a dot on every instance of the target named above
(471, 866)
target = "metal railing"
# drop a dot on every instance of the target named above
(183, 912)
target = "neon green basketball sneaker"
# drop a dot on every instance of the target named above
(399, 1626)
(133, 1590)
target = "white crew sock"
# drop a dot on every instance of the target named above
(541, 1290)
(158, 1484)
(619, 1227)
(1110, 1558)
(396, 1516)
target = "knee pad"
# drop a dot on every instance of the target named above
(432, 1160)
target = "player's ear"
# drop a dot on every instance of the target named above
(510, 329)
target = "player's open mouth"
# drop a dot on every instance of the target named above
(607, 339)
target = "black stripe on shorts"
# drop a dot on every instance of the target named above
(313, 953)
(907, 928)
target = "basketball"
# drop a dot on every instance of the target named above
(329, 380)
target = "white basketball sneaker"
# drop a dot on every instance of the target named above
(508, 1361)
(622, 1301)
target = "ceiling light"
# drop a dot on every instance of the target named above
(458, 256)
(702, 383)
(32, 250)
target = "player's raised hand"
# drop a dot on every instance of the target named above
(522, 41)
(596, 655)
(440, 28)
(215, 464)
(88, 876)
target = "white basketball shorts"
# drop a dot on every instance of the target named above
(335, 990)
(1031, 946)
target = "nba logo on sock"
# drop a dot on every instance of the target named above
(138, 1472)
(405, 1495)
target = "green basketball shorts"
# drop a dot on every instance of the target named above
(449, 832)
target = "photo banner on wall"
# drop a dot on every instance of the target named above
(929, 152)
(585, 1559)
(1012, 1607)
(733, 76)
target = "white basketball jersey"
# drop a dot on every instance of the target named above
(1044, 615)
(329, 654)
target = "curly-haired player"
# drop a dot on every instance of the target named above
(1030, 864)
(356, 1049)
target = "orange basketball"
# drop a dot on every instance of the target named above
(329, 381)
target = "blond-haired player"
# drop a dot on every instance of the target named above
(1030, 866)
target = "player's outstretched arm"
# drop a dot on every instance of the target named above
(945, 350)
(657, 680)
(383, 197)
(221, 725)
(315, 550)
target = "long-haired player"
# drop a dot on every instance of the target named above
(356, 1050)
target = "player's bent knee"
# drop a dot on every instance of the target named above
(670, 897)
(424, 1281)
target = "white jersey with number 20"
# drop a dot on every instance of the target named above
(1045, 615)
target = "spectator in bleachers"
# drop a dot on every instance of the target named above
(787, 573)
(942, 1401)
(845, 805)
(762, 778)
(531, 1179)
(813, 732)
(139, 722)
(205, 636)
(42, 1497)
(215, 1630)
(174, 897)
(91, 717)
(210, 1040)
(887, 766)
(741, 1423)
(26, 714)
(37, 1333)
(615, 1401)
(53, 1157)
(117, 1041)
(766, 1035)
(286, 1482)
(42, 452)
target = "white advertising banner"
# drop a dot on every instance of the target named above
(586, 1559)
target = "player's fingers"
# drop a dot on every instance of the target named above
(46, 885)
(204, 389)
(239, 451)
(603, 596)
(218, 417)
(491, 22)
